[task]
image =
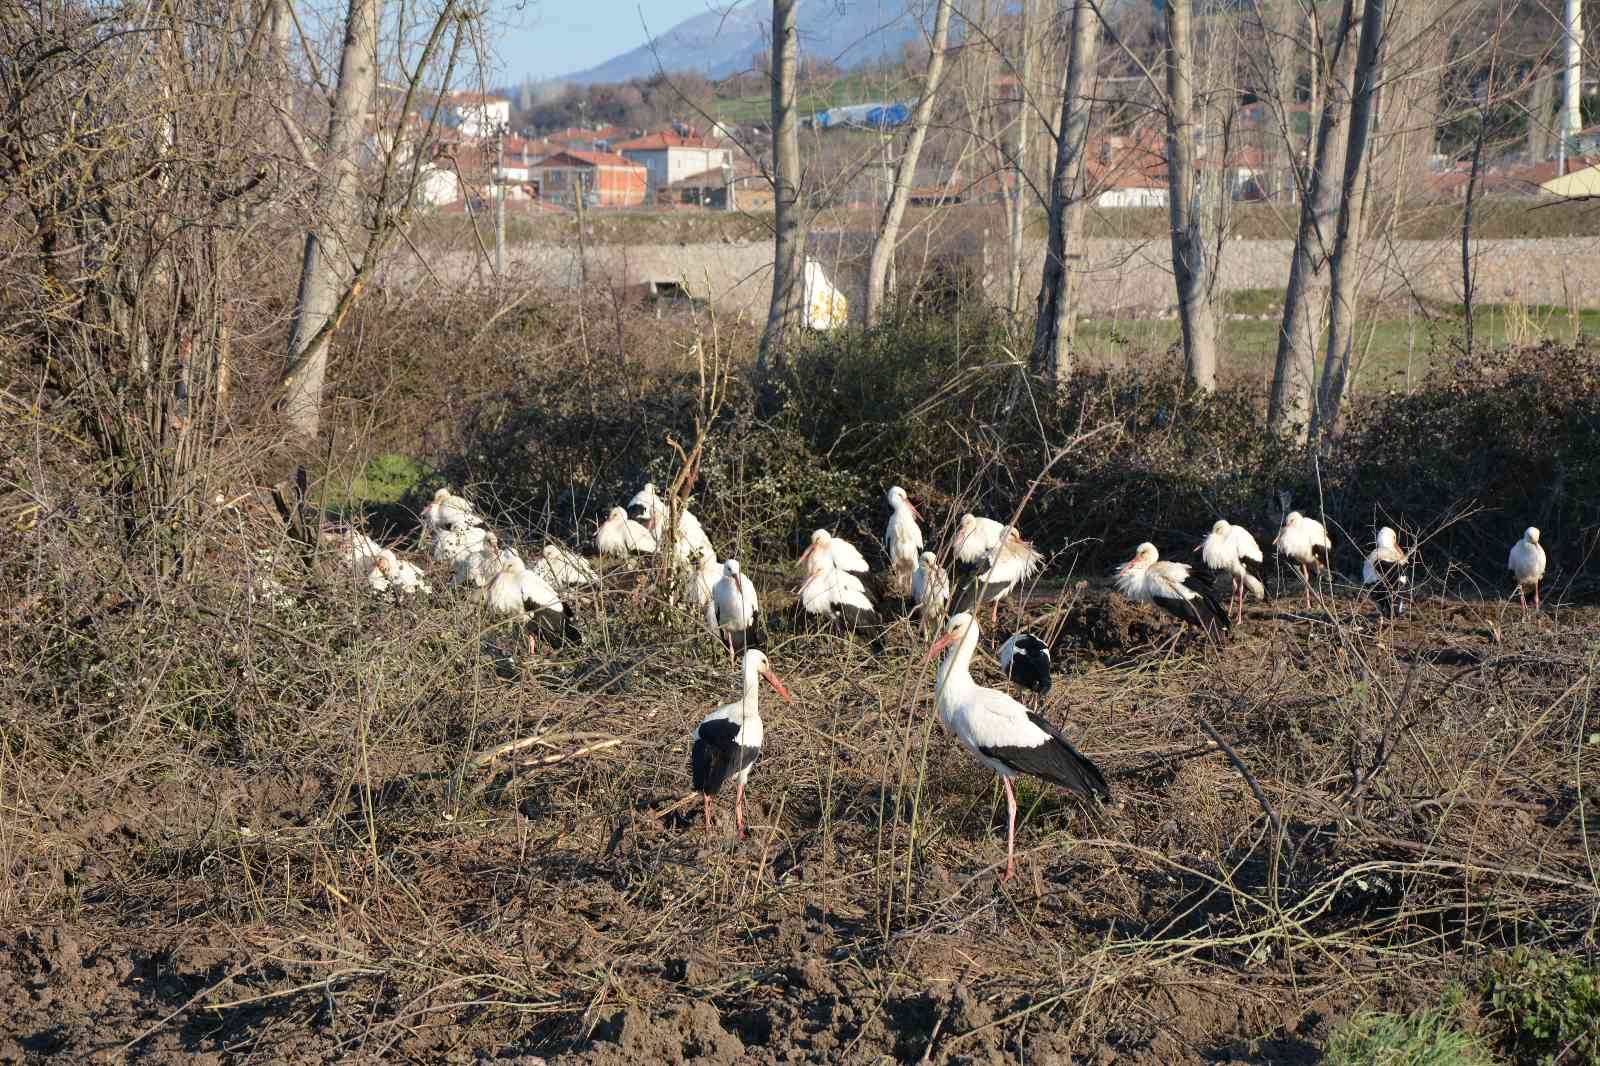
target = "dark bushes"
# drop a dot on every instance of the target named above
(558, 437)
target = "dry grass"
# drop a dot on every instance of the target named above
(261, 826)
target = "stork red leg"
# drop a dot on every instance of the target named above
(1011, 832)
(708, 812)
(1536, 594)
(738, 809)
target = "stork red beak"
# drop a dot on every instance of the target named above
(777, 685)
(944, 641)
(914, 512)
(807, 553)
(1123, 569)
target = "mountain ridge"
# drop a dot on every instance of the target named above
(716, 44)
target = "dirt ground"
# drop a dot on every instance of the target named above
(278, 857)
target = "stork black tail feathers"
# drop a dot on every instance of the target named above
(1320, 553)
(1213, 617)
(570, 633)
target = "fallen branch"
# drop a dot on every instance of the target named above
(550, 740)
(551, 760)
(1249, 779)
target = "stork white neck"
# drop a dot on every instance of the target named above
(749, 701)
(955, 673)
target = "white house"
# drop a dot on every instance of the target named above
(477, 114)
(669, 157)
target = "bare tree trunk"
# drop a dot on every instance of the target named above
(1190, 270)
(1051, 355)
(1345, 265)
(1016, 216)
(330, 242)
(1289, 406)
(1469, 276)
(905, 172)
(1541, 97)
(786, 311)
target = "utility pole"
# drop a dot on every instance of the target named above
(1572, 88)
(500, 203)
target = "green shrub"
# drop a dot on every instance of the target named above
(1426, 1038)
(1548, 1007)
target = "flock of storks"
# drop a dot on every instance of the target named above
(991, 560)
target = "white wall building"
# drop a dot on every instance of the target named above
(478, 114)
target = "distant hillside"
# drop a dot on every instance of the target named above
(849, 32)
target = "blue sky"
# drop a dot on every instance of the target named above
(545, 38)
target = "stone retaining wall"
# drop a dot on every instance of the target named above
(1118, 276)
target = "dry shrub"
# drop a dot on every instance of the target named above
(1511, 429)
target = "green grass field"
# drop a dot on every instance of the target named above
(861, 87)
(1395, 347)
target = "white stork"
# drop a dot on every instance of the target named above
(1003, 734)
(452, 545)
(833, 551)
(644, 502)
(902, 541)
(357, 551)
(566, 568)
(480, 565)
(999, 573)
(727, 741)
(732, 612)
(1025, 660)
(620, 536)
(1230, 549)
(704, 573)
(930, 589)
(837, 595)
(1147, 578)
(390, 573)
(976, 538)
(1384, 567)
(655, 513)
(516, 592)
(1526, 563)
(1304, 541)
(449, 511)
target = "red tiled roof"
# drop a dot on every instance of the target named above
(1522, 179)
(568, 156)
(656, 142)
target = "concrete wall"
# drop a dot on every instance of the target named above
(1136, 276)
(1119, 276)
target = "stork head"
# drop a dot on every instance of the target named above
(551, 553)
(1531, 534)
(1387, 538)
(385, 564)
(730, 568)
(1219, 528)
(756, 664)
(511, 563)
(617, 515)
(819, 542)
(898, 498)
(1292, 518)
(442, 495)
(955, 628)
(1143, 556)
(928, 560)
